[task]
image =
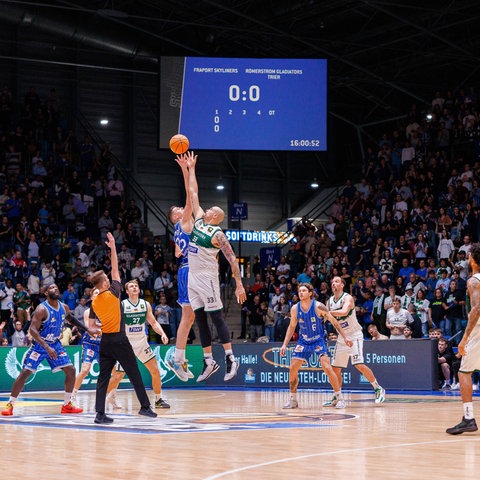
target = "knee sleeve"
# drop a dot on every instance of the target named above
(203, 328)
(221, 326)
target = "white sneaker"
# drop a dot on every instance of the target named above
(379, 395)
(291, 404)
(455, 386)
(187, 370)
(475, 387)
(340, 404)
(178, 370)
(112, 400)
(208, 370)
(332, 402)
(231, 367)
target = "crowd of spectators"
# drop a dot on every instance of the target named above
(58, 199)
(399, 237)
(402, 231)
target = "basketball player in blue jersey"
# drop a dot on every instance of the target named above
(206, 240)
(46, 326)
(310, 316)
(90, 349)
(342, 306)
(183, 220)
(469, 346)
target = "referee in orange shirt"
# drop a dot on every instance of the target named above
(114, 345)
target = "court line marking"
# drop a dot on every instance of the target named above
(335, 452)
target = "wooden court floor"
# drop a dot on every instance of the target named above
(241, 434)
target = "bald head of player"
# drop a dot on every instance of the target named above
(214, 216)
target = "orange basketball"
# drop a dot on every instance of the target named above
(179, 144)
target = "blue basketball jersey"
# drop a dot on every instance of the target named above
(181, 239)
(310, 324)
(87, 338)
(52, 326)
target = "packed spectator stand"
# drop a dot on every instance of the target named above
(404, 229)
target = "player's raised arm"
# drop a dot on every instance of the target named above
(193, 188)
(184, 160)
(110, 242)
(221, 241)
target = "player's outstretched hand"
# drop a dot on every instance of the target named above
(110, 241)
(191, 159)
(240, 294)
(164, 339)
(182, 160)
(94, 331)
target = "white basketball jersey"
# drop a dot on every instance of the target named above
(349, 322)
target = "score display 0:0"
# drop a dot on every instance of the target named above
(235, 93)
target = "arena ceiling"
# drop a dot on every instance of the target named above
(383, 55)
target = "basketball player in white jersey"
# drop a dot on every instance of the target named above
(206, 240)
(136, 313)
(342, 306)
(469, 346)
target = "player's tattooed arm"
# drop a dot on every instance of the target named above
(473, 287)
(221, 241)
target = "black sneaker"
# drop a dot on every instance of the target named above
(147, 412)
(464, 426)
(208, 370)
(102, 418)
(161, 403)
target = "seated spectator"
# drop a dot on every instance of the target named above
(162, 312)
(17, 331)
(407, 332)
(372, 330)
(268, 321)
(397, 318)
(445, 357)
(22, 303)
(69, 297)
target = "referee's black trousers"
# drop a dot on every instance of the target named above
(116, 347)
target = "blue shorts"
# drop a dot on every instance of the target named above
(90, 352)
(36, 354)
(182, 282)
(304, 351)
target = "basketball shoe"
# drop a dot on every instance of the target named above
(112, 400)
(71, 408)
(178, 370)
(8, 410)
(208, 370)
(379, 395)
(161, 403)
(291, 404)
(231, 367)
(464, 426)
(331, 403)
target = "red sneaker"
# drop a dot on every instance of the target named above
(71, 408)
(8, 411)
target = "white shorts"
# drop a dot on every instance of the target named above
(342, 352)
(141, 349)
(204, 291)
(471, 361)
